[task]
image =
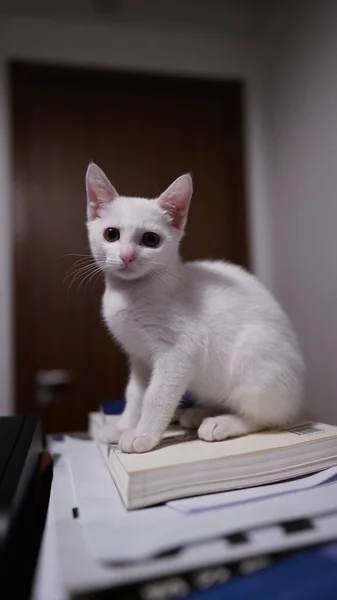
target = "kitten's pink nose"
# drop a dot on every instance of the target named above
(128, 257)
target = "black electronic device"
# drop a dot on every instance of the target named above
(21, 446)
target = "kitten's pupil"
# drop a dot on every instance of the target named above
(111, 234)
(150, 239)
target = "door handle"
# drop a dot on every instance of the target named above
(47, 381)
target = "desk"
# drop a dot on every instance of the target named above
(67, 566)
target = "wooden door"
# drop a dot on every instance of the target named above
(144, 132)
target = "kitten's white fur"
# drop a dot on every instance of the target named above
(208, 328)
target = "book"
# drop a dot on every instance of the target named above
(183, 466)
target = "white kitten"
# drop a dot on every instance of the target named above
(208, 328)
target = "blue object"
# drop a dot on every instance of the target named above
(306, 576)
(113, 407)
(186, 401)
(116, 407)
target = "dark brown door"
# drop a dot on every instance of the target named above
(144, 132)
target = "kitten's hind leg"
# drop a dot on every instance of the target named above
(265, 386)
(216, 429)
(254, 408)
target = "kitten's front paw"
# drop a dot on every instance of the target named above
(130, 442)
(108, 434)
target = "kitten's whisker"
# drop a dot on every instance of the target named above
(83, 279)
(92, 279)
(86, 259)
(75, 254)
(88, 276)
(78, 271)
(98, 276)
(165, 266)
(78, 275)
(159, 276)
(83, 262)
(77, 278)
(92, 276)
(164, 274)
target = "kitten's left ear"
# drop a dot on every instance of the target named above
(99, 191)
(175, 201)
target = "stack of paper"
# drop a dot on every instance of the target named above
(103, 545)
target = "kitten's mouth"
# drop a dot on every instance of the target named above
(129, 272)
(126, 271)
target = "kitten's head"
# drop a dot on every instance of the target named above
(132, 237)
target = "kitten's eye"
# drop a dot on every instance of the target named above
(150, 239)
(111, 234)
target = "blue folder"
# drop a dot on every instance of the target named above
(308, 575)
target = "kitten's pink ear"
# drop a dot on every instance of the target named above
(176, 199)
(99, 191)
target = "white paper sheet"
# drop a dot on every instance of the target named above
(47, 583)
(223, 499)
(140, 541)
(114, 534)
(93, 547)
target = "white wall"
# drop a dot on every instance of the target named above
(302, 146)
(211, 55)
(6, 329)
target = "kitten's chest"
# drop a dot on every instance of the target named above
(135, 324)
